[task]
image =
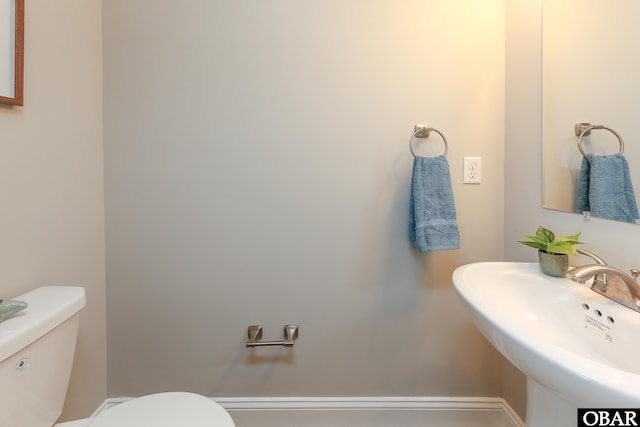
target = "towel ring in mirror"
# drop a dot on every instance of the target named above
(423, 132)
(587, 130)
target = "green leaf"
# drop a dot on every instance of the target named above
(538, 245)
(533, 238)
(558, 249)
(544, 234)
(569, 239)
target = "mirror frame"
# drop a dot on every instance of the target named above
(18, 53)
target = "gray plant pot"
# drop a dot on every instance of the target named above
(555, 265)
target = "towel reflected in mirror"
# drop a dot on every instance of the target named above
(605, 188)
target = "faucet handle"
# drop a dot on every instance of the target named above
(600, 281)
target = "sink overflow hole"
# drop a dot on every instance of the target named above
(585, 306)
(598, 313)
(610, 319)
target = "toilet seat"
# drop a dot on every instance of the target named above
(168, 409)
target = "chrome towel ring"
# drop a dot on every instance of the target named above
(422, 131)
(583, 129)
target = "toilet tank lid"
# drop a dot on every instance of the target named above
(47, 307)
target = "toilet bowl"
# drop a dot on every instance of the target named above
(168, 409)
(37, 346)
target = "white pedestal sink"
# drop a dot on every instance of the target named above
(577, 348)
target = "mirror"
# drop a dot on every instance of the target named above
(591, 58)
(11, 51)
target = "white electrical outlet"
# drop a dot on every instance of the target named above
(472, 170)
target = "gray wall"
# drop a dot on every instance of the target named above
(257, 171)
(523, 148)
(51, 179)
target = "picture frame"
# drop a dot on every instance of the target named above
(11, 51)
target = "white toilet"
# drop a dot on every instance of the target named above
(36, 354)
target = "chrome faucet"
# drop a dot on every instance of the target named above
(618, 285)
(591, 255)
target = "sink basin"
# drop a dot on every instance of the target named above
(577, 348)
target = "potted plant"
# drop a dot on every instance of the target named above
(553, 251)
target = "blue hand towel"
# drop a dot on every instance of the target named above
(432, 217)
(605, 188)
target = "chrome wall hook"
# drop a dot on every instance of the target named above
(254, 333)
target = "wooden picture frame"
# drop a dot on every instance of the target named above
(11, 51)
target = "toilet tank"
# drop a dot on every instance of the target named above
(36, 354)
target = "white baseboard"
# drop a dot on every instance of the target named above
(364, 411)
